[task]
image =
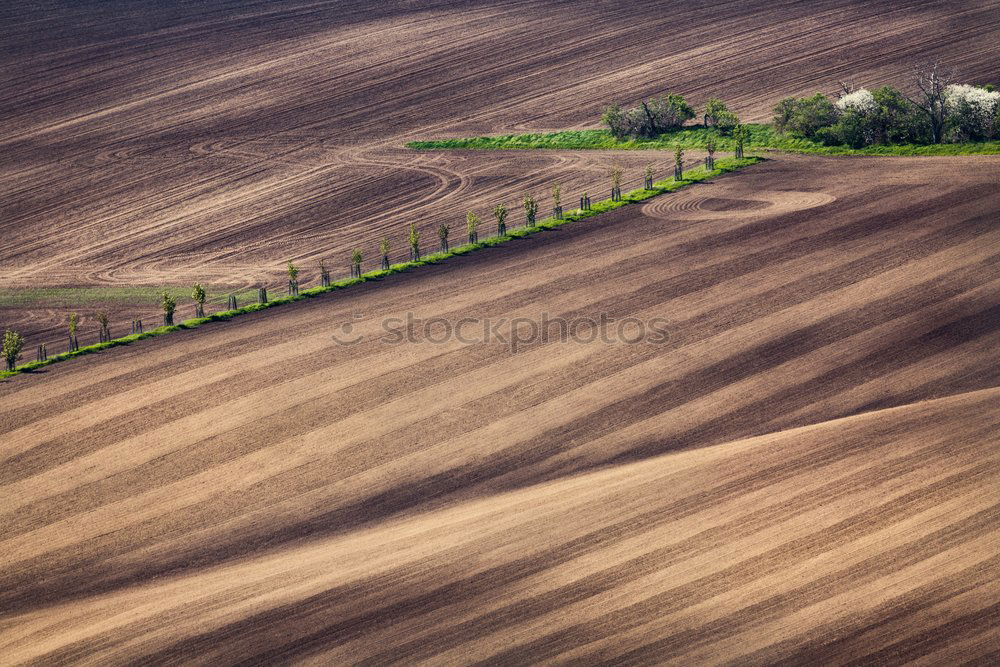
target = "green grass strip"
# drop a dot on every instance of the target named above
(691, 177)
(92, 296)
(762, 137)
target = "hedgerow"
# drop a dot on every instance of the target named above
(759, 137)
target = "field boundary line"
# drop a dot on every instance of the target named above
(692, 176)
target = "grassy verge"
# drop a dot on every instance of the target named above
(660, 187)
(762, 137)
(92, 296)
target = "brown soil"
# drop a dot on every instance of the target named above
(251, 490)
(167, 143)
(805, 471)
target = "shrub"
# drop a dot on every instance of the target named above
(973, 113)
(882, 116)
(719, 116)
(804, 117)
(648, 120)
(616, 120)
(13, 343)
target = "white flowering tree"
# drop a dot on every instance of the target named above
(860, 101)
(972, 111)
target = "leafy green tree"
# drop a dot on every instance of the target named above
(678, 163)
(719, 116)
(557, 196)
(898, 120)
(471, 224)
(710, 148)
(414, 238)
(356, 258)
(530, 209)
(648, 176)
(500, 213)
(617, 121)
(198, 294)
(169, 304)
(881, 116)
(650, 119)
(805, 116)
(13, 343)
(324, 274)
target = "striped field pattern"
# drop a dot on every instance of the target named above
(168, 142)
(805, 470)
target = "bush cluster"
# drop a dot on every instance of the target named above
(648, 120)
(885, 116)
(659, 115)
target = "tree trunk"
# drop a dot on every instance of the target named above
(199, 310)
(232, 302)
(385, 262)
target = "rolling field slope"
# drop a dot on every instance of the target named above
(163, 143)
(805, 469)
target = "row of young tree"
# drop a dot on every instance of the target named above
(13, 342)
